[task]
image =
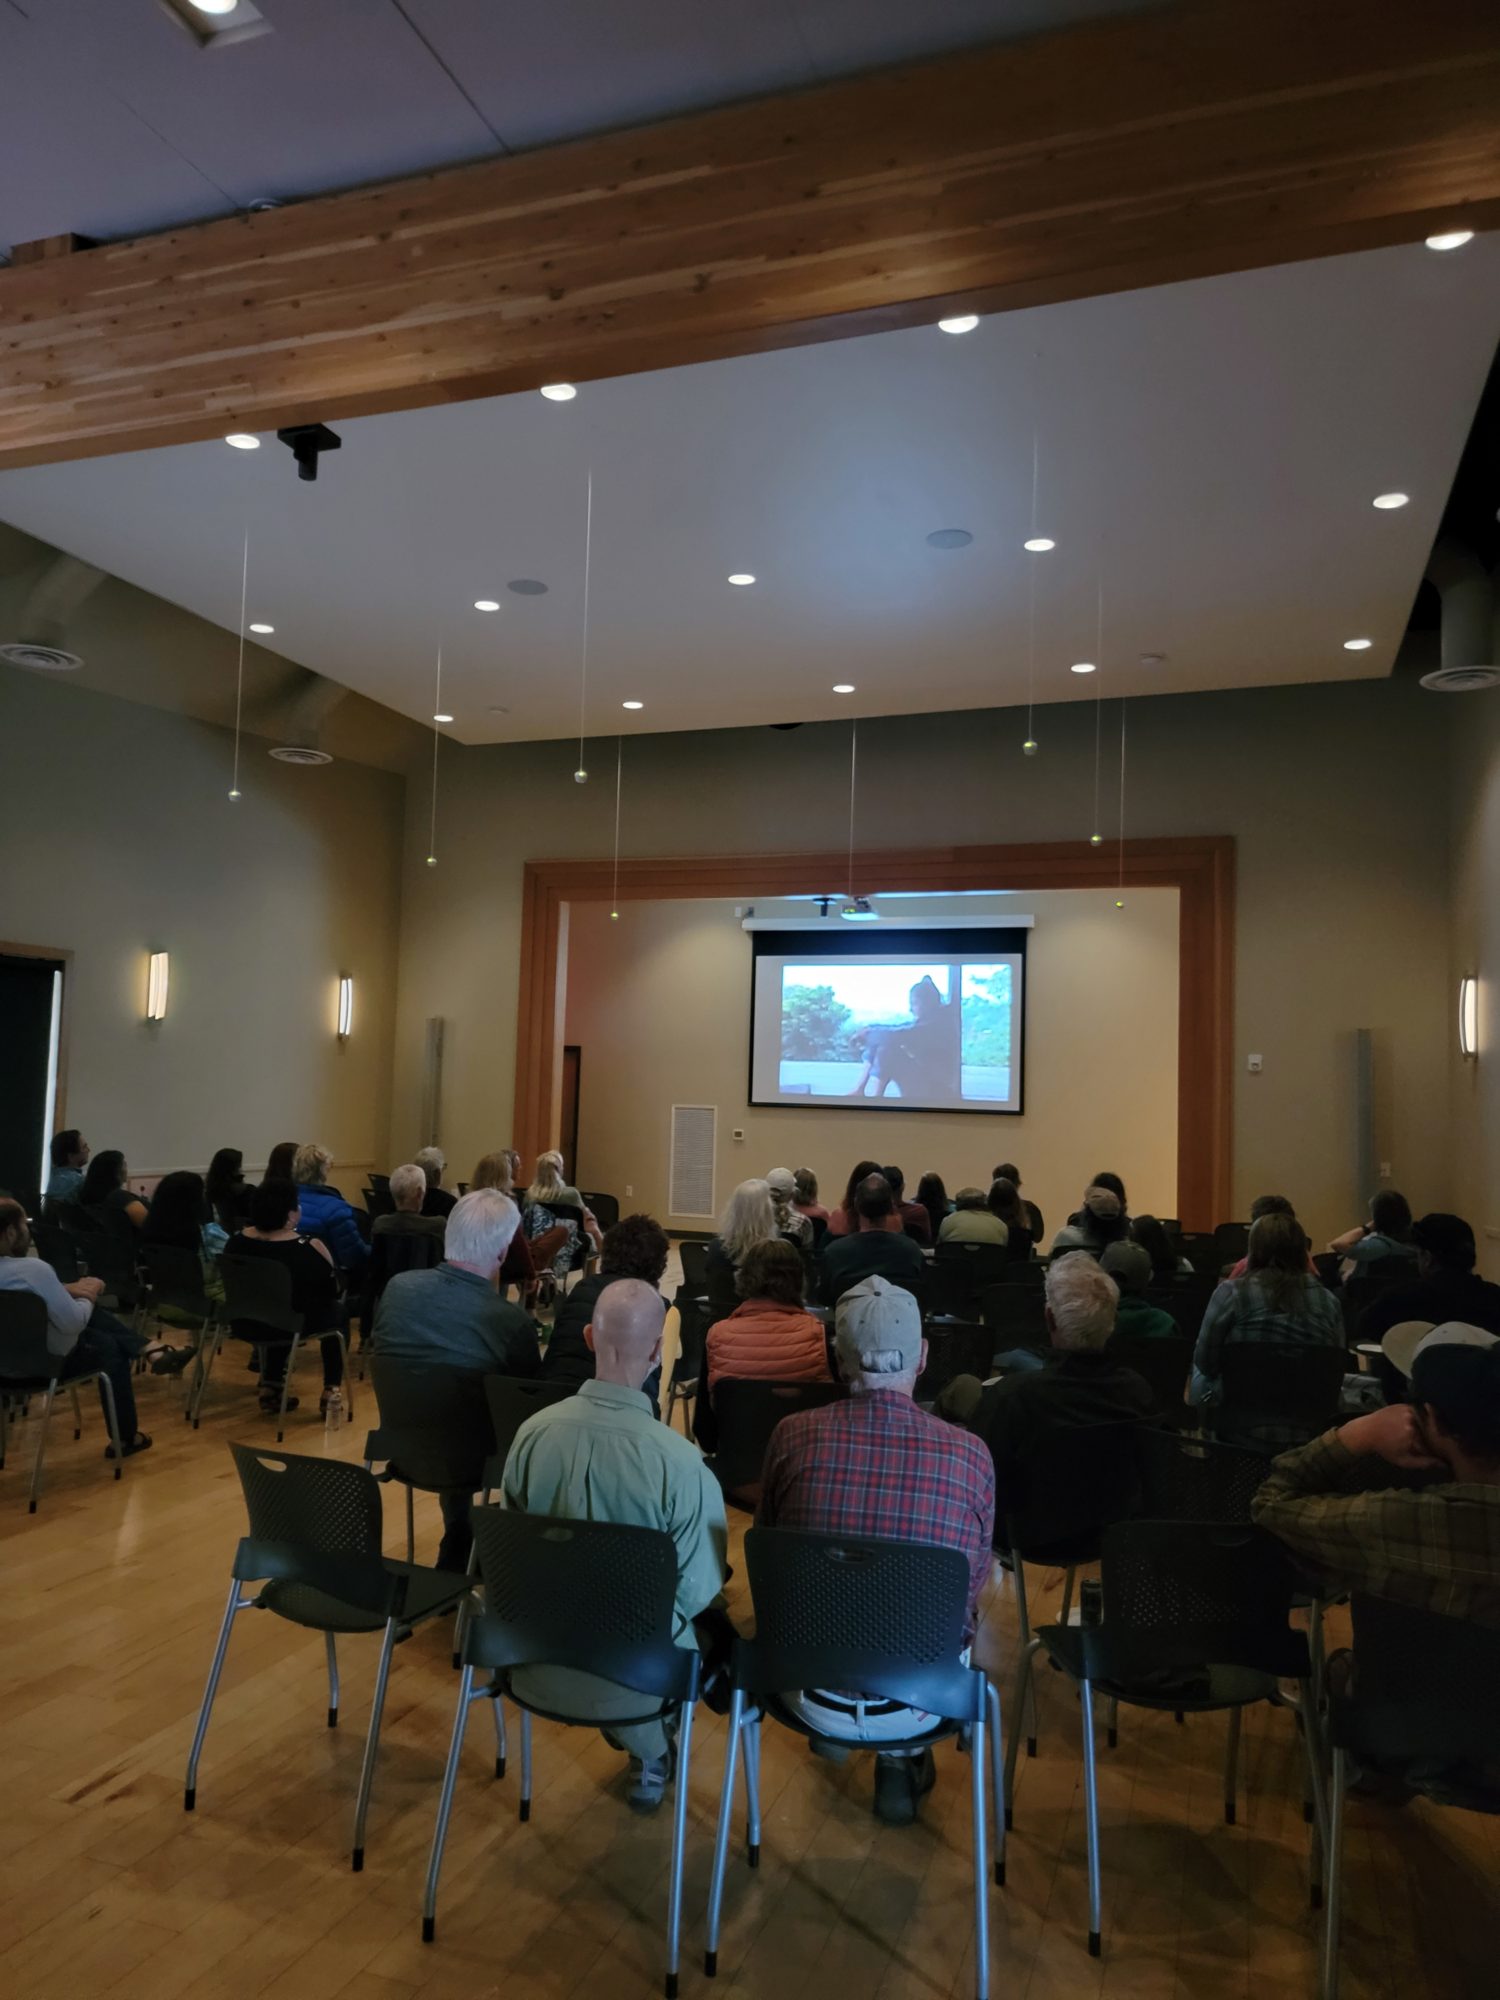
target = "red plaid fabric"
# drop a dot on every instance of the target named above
(876, 1465)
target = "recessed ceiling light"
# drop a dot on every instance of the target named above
(1083, 666)
(949, 538)
(243, 440)
(1039, 545)
(1358, 645)
(843, 687)
(1153, 659)
(1450, 239)
(961, 323)
(214, 6)
(559, 392)
(742, 577)
(485, 604)
(1388, 502)
(632, 704)
(442, 718)
(262, 628)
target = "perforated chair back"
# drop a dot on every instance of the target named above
(1192, 1594)
(379, 1200)
(748, 1413)
(511, 1399)
(59, 1247)
(110, 1245)
(394, 1251)
(175, 1277)
(1030, 1271)
(1190, 1479)
(1016, 1315)
(1066, 1490)
(694, 1265)
(1161, 1364)
(1202, 1252)
(882, 1617)
(1232, 1240)
(593, 1596)
(1423, 1688)
(435, 1431)
(985, 1263)
(954, 1347)
(1278, 1392)
(605, 1207)
(258, 1298)
(23, 1339)
(315, 1532)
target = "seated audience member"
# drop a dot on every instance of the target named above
(409, 1191)
(104, 1191)
(549, 1204)
(771, 1336)
(1008, 1171)
(180, 1218)
(524, 1257)
(1079, 1385)
(1446, 1285)
(877, 1251)
(603, 1452)
(876, 1466)
(453, 1315)
(1386, 1235)
(325, 1213)
(791, 1223)
(635, 1247)
(932, 1195)
(914, 1218)
(1116, 1187)
(749, 1218)
(281, 1160)
(1269, 1204)
(1276, 1300)
(807, 1202)
(973, 1220)
(274, 1232)
(1129, 1264)
(1404, 1503)
(224, 1184)
(1166, 1265)
(437, 1201)
(69, 1155)
(844, 1220)
(81, 1336)
(1101, 1221)
(1005, 1204)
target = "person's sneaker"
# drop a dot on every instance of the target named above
(899, 1783)
(650, 1776)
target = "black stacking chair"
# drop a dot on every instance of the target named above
(379, 1201)
(884, 1617)
(391, 1253)
(954, 1347)
(314, 1548)
(174, 1282)
(434, 1433)
(1202, 1252)
(1232, 1240)
(960, 1273)
(694, 1255)
(1195, 1620)
(258, 1308)
(59, 1247)
(1016, 1316)
(1186, 1302)
(605, 1207)
(1423, 1693)
(694, 1317)
(29, 1369)
(108, 1243)
(592, 1597)
(1277, 1393)
(1191, 1479)
(747, 1414)
(511, 1400)
(1163, 1366)
(1024, 1271)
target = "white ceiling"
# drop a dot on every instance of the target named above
(114, 122)
(1209, 450)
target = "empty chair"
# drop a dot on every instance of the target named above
(1016, 1316)
(748, 1412)
(379, 1200)
(28, 1367)
(884, 1618)
(954, 1347)
(1194, 1620)
(694, 1264)
(1232, 1240)
(1192, 1479)
(258, 1307)
(1164, 1366)
(511, 1400)
(1277, 1393)
(605, 1208)
(593, 1597)
(435, 1436)
(314, 1548)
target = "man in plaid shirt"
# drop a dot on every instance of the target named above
(876, 1466)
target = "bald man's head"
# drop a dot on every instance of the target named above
(625, 1331)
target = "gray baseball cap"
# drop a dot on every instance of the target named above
(878, 1329)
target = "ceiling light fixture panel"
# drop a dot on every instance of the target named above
(960, 323)
(1389, 502)
(741, 578)
(217, 24)
(1450, 239)
(559, 392)
(1038, 545)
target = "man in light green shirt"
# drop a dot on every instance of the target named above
(603, 1456)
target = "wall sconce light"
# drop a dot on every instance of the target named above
(346, 1006)
(1468, 1015)
(156, 986)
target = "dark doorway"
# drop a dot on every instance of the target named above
(30, 1018)
(568, 1142)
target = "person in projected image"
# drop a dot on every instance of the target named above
(920, 1056)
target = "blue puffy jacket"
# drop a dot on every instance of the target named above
(325, 1213)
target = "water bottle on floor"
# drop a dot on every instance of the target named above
(333, 1412)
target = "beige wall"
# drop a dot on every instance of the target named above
(659, 1005)
(119, 839)
(1476, 948)
(1335, 794)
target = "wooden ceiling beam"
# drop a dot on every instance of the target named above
(1174, 144)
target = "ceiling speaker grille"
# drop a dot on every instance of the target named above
(40, 659)
(1460, 680)
(694, 1130)
(291, 753)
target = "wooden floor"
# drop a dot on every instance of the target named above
(109, 1605)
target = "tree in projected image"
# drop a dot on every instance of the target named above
(986, 1011)
(815, 1026)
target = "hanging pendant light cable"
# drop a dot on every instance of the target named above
(1096, 837)
(1029, 746)
(1120, 898)
(580, 776)
(437, 709)
(614, 898)
(853, 768)
(239, 678)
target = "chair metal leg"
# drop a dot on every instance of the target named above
(679, 1843)
(1023, 1614)
(497, 1703)
(112, 1423)
(190, 1783)
(1091, 1813)
(205, 1370)
(333, 1680)
(1339, 1784)
(981, 1861)
(41, 1446)
(343, 1342)
(372, 1742)
(445, 1806)
(1317, 1650)
(466, 1605)
(1317, 1846)
(721, 1834)
(525, 1763)
(1022, 1695)
(286, 1386)
(77, 1412)
(1231, 1765)
(997, 1779)
(1067, 1601)
(4, 1428)
(752, 1792)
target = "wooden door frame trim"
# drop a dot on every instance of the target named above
(1200, 867)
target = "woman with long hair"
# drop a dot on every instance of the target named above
(749, 1218)
(1005, 1204)
(807, 1202)
(104, 1189)
(274, 1234)
(224, 1184)
(279, 1161)
(1166, 1265)
(1277, 1300)
(545, 1208)
(933, 1196)
(844, 1221)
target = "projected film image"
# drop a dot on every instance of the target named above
(929, 1034)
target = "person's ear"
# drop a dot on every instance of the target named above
(588, 1338)
(922, 1359)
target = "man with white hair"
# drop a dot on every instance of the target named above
(436, 1200)
(875, 1466)
(453, 1316)
(408, 1187)
(603, 1456)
